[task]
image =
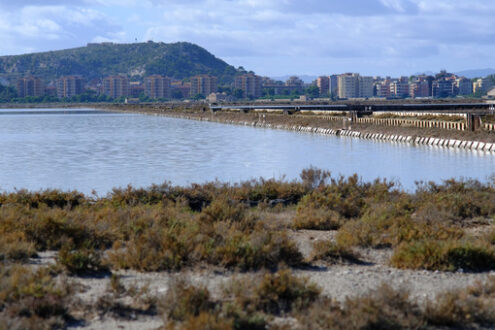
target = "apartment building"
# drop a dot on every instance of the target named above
(203, 85)
(116, 86)
(323, 84)
(352, 85)
(463, 86)
(158, 87)
(30, 86)
(400, 88)
(419, 89)
(181, 89)
(348, 86)
(483, 85)
(443, 88)
(365, 86)
(250, 84)
(69, 86)
(334, 85)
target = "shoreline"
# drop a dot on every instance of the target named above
(483, 141)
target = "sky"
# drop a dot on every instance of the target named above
(272, 37)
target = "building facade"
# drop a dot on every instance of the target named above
(158, 87)
(116, 86)
(348, 86)
(203, 85)
(365, 87)
(30, 86)
(69, 86)
(443, 88)
(323, 84)
(352, 85)
(483, 85)
(463, 86)
(250, 84)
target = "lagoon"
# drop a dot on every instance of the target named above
(94, 151)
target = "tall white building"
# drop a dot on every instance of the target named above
(352, 85)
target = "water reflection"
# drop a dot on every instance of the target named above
(89, 150)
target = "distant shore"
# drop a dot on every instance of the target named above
(306, 122)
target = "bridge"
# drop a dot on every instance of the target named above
(473, 111)
(479, 108)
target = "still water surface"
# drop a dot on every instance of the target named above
(92, 150)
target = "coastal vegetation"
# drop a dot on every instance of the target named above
(175, 60)
(246, 228)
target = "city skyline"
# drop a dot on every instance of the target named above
(272, 37)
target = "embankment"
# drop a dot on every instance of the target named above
(430, 135)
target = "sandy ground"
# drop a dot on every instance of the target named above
(336, 281)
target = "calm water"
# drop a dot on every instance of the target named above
(92, 150)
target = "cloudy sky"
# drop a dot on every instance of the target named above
(272, 37)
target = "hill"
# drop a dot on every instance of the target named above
(477, 73)
(176, 60)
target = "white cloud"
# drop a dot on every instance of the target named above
(275, 36)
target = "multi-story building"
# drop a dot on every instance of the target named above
(443, 88)
(352, 85)
(136, 89)
(30, 86)
(348, 85)
(69, 86)
(334, 85)
(323, 84)
(400, 88)
(419, 88)
(483, 85)
(203, 85)
(365, 86)
(181, 90)
(157, 87)
(382, 88)
(463, 86)
(116, 86)
(250, 84)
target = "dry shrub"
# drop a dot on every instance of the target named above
(81, 261)
(333, 253)
(463, 199)
(446, 255)
(14, 247)
(167, 245)
(282, 292)
(33, 299)
(50, 198)
(383, 308)
(184, 300)
(225, 236)
(473, 307)
(222, 209)
(50, 228)
(260, 249)
(315, 217)
(328, 206)
(389, 224)
(206, 321)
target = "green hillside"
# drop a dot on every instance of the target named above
(177, 60)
